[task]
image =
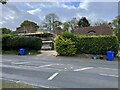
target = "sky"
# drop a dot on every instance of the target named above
(14, 13)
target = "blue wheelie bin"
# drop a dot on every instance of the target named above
(22, 51)
(110, 55)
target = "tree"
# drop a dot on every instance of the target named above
(66, 26)
(51, 21)
(3, 1)
(116, 27)
(57, 24)
(83, 22)
(101, 22)
(29, 26)
(6, 31)
(73, 23)
(70, 25)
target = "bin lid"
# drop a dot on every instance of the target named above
(110, 52)
(22, 49)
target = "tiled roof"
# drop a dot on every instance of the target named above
(97, 30)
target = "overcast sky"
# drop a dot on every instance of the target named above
(14, 13)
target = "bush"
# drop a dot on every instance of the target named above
(65, 46)
(87, 44)
(96, 44)
(10, 42)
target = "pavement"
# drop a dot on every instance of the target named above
(60, 72)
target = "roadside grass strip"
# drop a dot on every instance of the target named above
(82, 69)
(20, 84)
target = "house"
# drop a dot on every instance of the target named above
(94, 30)
(58, 31)
(47, 39)
(26, 29)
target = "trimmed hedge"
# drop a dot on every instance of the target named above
(89, 44)
(65, 46)
(10, 42)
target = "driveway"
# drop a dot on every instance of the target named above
(60, 72)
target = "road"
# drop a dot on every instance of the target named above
(60, 72)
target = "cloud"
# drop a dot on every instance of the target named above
(14, 13)
(84, 5)
(29, 5)
(35, 11)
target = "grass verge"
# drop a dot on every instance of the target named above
(11, 84)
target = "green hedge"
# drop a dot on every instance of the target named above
(89, 44)
(65, 46)
(10, 42)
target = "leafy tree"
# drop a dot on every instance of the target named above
(3, 1)
(6, 31)
(70, 25)
(57, 24)
(73, 23)
(66, 26)
(51, 21)
(83, 22)
(101, 22)
(28, 25)
(116, 22)
(116, 26)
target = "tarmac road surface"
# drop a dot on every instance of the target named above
(60, 72)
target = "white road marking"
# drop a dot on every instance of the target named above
(27, 67)
(53, 76)
(107, 68)
(82, 69)
(46, 65)
(19, 62)
(109, 75)
(65, 68)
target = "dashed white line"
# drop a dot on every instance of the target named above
(107, 68)
(53, 76)
(82, 69)
(110, 75)
(19, 62)
(46, 65)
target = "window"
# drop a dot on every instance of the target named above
(92, 32)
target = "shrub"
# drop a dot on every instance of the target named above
(65, 46)
(6, 41)
(96, 44)
(10, 42)
(87, 44)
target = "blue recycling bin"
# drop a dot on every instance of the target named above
(110, 55)
(22, 51)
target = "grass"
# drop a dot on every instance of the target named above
(11, 84)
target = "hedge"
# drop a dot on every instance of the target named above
(65, 46)
(89, 44)
(10, 42)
